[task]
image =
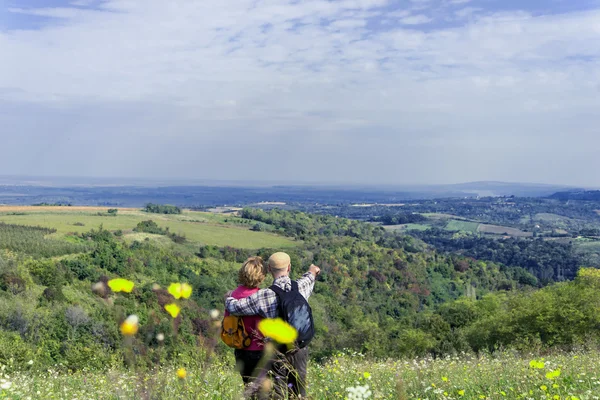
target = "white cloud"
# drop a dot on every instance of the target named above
(416, 20)
(82, 3)
(315, 77)
(466, 12)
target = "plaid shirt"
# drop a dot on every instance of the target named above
(265, 301)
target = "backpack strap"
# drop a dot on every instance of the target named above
(278, 291)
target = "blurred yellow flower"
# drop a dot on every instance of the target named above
(181, 373)
(537, 364)
(553, 374)
(461, 392)
(173, 309)
(278, 330)
(445, 379)
(180, 290)
(120, 285)
(367, 375)
(130, 326)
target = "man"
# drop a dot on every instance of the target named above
(265, 303)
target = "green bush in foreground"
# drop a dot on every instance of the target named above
(572, 376)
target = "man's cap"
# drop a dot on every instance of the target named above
(279, 260)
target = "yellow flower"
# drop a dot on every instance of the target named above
(461, 392)
(180, 290)
(367, 375)
(537, 364)
(129, 327)
(181, 373)
(278, 330)
(173, 309)
(544, 387)
(445, 378)
(553, 374)
(120, 285)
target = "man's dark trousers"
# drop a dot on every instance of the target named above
(289, 374)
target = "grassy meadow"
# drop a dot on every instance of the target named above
(465, 226)
(198, 227)
(574, 375)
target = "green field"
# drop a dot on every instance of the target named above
(565, 376)
(442, 216)
(464, 226)
(198, 227)
(407, 227)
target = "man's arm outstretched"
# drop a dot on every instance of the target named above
(263, 303)
(306, 283)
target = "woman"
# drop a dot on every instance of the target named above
(251, 275)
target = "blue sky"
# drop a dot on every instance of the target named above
(352, 91)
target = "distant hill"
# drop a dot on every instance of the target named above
(585, 195)
(132, 193)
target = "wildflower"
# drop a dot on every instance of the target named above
(129, 327)
(214, 314)
(278, 330)
(553, 374)
(537, 364)
(445, 378)
(173, 309)
(367, 375)
(160, 337)
(181, 373)
(180, 290)
(359, 392)
(120, 285)
(544, 387)
(461, 392)
(30, 362)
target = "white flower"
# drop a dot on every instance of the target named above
(5, 385)
(30, 362)
(214, 314)
(359, 392)
(160, 337)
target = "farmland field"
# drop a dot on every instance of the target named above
(501, 230)
(198, 227)
(407, 227)
(465, 226)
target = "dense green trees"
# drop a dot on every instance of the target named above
(151, 227)
(400, 218)
(33, 241)
(379, 293)
(162, 209)
(549, 261)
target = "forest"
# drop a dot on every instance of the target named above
(381, 293)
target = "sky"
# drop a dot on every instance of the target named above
(345, 91)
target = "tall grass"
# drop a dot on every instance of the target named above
(574, 375)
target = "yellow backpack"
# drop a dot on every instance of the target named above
(233, 332)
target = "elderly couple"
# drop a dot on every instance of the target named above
(289, 366)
